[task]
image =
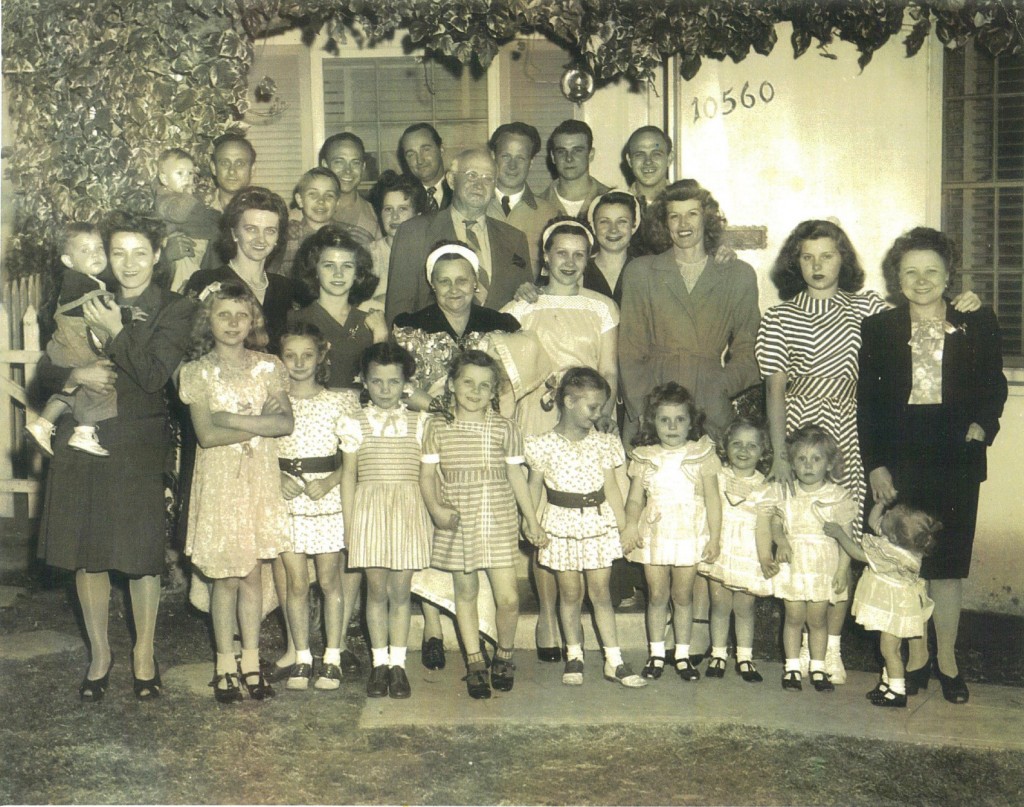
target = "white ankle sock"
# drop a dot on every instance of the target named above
(792, 665)
(817, 666)
(304, 656)
(332, 655)
(898, 685)
(380, 656)
(396, 656)
(226, 663)
(574, 651)
(658, 649)
(682, 652)
(613, 656)
(744, 654)
(719, 652)
(833, 642)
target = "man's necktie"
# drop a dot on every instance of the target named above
(505, 206)
(432, 204)
(474, 242)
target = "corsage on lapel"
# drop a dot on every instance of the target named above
(949, 328)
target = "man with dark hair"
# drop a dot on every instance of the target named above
(502, 249)
(345, 155)
(421, 154)
(514, 145)
(231, 164)
(571, 150)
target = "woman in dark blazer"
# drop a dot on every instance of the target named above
(107, 514)
(929, 398)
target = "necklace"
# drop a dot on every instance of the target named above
(258, 285)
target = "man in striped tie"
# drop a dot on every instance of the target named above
(502, 249)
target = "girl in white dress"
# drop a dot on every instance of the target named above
(575, 463)
(674, 507)
(740, 573)
(310, 477)
(891, 596)
(812, 569)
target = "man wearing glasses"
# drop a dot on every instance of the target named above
(571, 150)
(502, 249)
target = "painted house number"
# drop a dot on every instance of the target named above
(709, 106)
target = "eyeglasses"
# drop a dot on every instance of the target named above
(474, 177)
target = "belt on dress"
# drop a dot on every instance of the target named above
(559, 498)
(309, 465)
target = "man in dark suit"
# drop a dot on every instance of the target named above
(503, 251)
(421, 154)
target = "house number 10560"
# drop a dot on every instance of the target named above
(709, 106)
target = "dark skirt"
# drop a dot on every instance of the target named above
(936, 472)
(108, 513)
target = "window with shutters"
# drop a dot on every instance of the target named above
(983, 181)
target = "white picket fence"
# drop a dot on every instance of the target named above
(20, 465)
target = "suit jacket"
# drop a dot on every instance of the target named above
(973, 385)
(530, 215)
(596, 189)
(669, 334)
(408, 289)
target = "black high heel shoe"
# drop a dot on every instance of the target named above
(92, 691)
(147, 689)
(955, 689)
(918, 679)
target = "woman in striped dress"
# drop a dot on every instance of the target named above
(386, 521)
(807, 350)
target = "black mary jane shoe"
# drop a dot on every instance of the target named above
(820, 681)
(878, 693)
(954, 689)
(686, 670)
(147, 689)
(503, 674)
(748, 672)
(93, 690)
(477, 685)
(791, 680)
(549, 654)
(891, 699)
(918, 679)
(258, 689)
(653, 669)
(226, 688)
(716, 668)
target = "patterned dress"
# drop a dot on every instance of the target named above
(814, 558)
(473, 459)
(571, 330)
(737, 566)
(579, 538)
(891, 595)
(237, 515)
(815, 343)
(390, 525)
(674, 523)
(317, 526)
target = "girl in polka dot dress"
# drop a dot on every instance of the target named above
(576, 465)
(310, 483)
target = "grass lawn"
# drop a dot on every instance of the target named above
(308, 748)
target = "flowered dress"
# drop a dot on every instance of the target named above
(237, 515)
(317, 526)
(473, 458)
(743, 499)
(814, 558)
(674, 523)
(579, 538)
(390, 525)
(891, 595)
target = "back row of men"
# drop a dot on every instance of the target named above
(492, 185)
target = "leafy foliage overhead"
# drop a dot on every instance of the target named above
(99, 87)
